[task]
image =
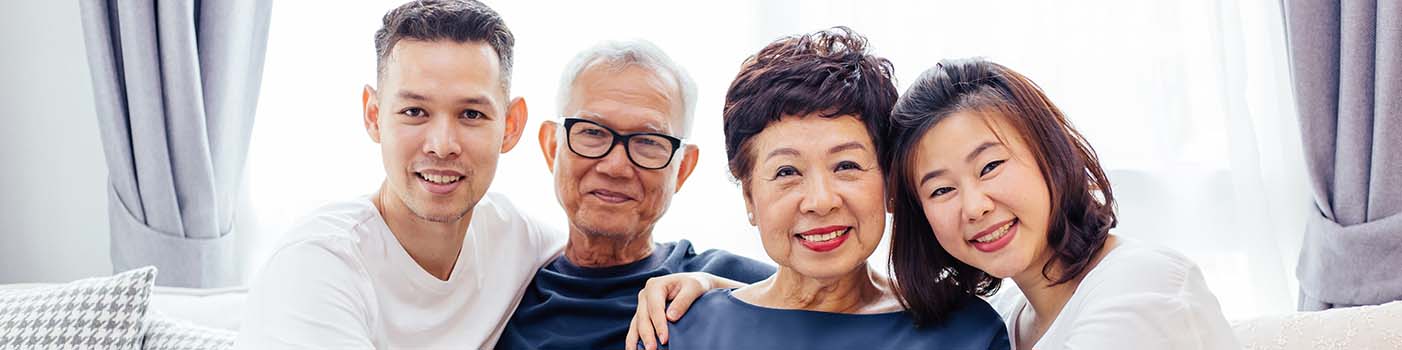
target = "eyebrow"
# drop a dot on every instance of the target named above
(793, 152)
(782, 151)
(967, 159)
(596, 117)
(977, 150)
(846, 146)
(470, 100)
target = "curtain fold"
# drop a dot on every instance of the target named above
(175, 85)
(1347, 63)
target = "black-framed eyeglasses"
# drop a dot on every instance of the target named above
(647, 150)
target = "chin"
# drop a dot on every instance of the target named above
(1004, 269)
(825, 273)
(612, 229)
(442, 216)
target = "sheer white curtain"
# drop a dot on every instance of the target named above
(1187, 103)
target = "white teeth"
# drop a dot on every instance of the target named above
(439, 179)
(996, 234)
(823, 237)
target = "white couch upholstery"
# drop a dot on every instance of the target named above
(220, 308)
(1364, 327)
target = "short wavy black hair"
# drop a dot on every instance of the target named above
(828, 72)
(460, 21)
(931, 281)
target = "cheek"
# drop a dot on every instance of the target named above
(774, 213)
(572, 168)
(1026, 193)
(868, 203)
(944, 221)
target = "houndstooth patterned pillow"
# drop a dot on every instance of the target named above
(164, 333)
(103, 312)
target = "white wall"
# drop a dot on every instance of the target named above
(53, 207)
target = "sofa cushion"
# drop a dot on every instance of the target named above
(102, 312)
(166, 333)
(1362, 327)
(210, 307)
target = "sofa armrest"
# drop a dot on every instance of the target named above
(1363, 327)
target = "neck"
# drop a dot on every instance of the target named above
(1047, 300)
(858, 292)
(433, 245)
(599, 250)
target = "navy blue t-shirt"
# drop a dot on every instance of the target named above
(572, 307)
(719, 320)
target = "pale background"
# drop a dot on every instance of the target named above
(1187, 103)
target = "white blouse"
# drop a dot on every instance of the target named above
(1139, 296)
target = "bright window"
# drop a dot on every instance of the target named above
(1187, 103)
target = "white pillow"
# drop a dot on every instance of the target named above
(165, 333)
(102, 312)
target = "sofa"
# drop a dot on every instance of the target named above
(123, 311)
(184, 318)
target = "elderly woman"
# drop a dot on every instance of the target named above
(801, 123)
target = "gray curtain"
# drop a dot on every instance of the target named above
(1346, 57)
(175, 85)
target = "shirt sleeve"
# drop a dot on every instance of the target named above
(725, 264)
(310, 295)
(1164, 305)
(548, 240)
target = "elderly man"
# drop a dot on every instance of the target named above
(407, 266)
(617, 156)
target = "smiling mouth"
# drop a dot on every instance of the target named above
(995, 235)
(823, 237)
(438, 179)
(610, 196)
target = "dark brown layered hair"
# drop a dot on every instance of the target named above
(459, 21)
(929, 280)
(827, 72)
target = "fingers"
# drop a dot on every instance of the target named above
(688, 294)
(655, 295)
(631, 341)
(645, 333)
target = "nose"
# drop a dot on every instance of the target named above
(615, 163)
(442, 140)
(820, 198)
(976, 203)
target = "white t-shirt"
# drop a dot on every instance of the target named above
(341, 280)
(1139, 296)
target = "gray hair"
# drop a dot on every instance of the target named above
(621, 54)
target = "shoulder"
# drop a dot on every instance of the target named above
(1134, 266)
(1146, 292)
(974, 321)
(342, 221)
(512, 228)
(721, 263)
(497, 206)
(324, 245)
(975, 310)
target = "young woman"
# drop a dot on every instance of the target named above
(986, 175)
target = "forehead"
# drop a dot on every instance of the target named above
(443, 68)
(949, 141)
(629, 98)
(811, 135)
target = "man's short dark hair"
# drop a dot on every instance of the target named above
(456, 20)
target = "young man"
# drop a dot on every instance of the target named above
(429, 260)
